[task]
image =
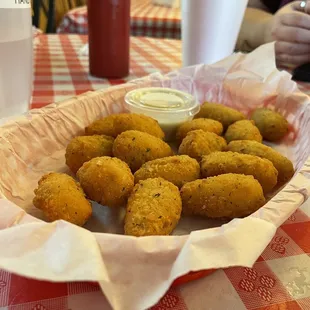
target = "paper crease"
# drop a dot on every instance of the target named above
(135, 272)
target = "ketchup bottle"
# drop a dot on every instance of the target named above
(108, 33)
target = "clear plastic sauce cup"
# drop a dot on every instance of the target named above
(170, 107)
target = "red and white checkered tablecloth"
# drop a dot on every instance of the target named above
(147, 19)
(280, 279)
(62, 72)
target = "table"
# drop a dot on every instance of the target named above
(62, 72)
(146, 20)
(280, 279)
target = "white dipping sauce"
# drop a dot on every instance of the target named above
(170, 107)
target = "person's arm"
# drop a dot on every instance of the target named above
(253, 29)
(289, 27)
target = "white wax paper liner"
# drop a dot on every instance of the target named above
(135, 272)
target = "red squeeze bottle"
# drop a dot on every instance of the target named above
(108, 36)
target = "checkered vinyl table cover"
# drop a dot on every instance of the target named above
(280, 279)
(147, 19)
(61, 72)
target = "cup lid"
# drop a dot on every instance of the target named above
(163, 100)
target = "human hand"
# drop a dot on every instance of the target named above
(290, 28)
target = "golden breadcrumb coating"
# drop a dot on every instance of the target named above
(154, 208)
(261, 169)
(204, 124)
(272, 125)
(115, 124)
(106, 180)
(282, 164)
(60, 197)
(221, 113)
(136, 148)
(198, 143)
(178, 170)
(224, 196)
(243, 130)
(84, 148)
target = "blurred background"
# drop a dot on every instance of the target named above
(150, 18)
(48, 14)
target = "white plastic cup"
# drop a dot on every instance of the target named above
(16, 72)
(170, 107)
(210, 29)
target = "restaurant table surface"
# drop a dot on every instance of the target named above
(280, 279)
(147, 19)
(62, 72)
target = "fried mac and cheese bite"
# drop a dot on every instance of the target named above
(84, 148)
(243, 130)
(115, 124)
(106, 180)
(261, 169)
(154, 208)
(178, 170)
(272, 125)
(60, 197)
(136, 148)
(282, 164)
(221, 113)
(198, 143)
(224, 196)
(204, 124)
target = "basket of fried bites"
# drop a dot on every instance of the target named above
(217, 167)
